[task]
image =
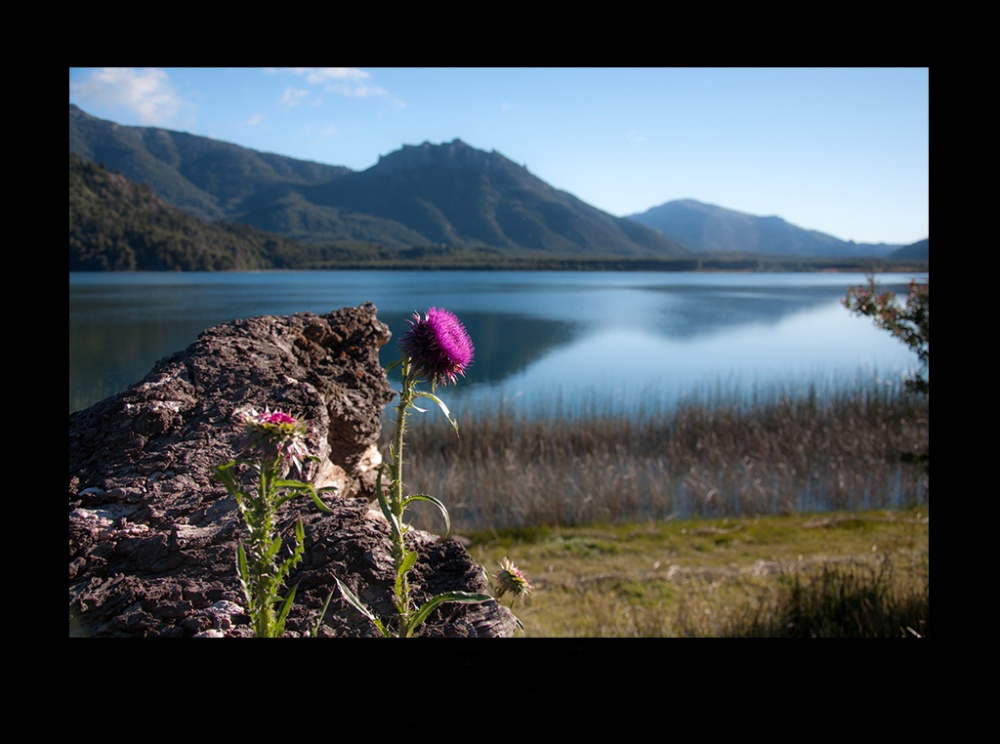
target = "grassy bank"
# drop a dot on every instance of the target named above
(858, 574)
(786, 454)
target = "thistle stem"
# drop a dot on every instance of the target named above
(396, 499)
(260, 535)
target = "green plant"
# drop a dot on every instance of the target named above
(436, 348)
(910, 323)
(273, 443)
(843, 601)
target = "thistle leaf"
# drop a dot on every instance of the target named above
(241, 567)
(353, 600)
(430, 605)
(356, 604)
(437, 502)
(271, 550)
(441, 405)
(285, 607)
(384, 505)
(224, 473)
(297, 489)
(322, 614)
(408, 560)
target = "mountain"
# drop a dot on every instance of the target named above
(118, 225)
(448, 195)
(199, 175)
(915, 251)
(706, 228)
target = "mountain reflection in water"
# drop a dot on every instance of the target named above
(614, 336)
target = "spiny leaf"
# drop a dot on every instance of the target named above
(297, 489)
(437, 502)
(356, 604)
(408, 560)
(241, 566)
(384, 505)
(322, 614)
(441, 405)
(430, 605)
(407, 563)
(285, 607)
(224, 473)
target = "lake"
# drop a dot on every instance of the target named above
(614, 339)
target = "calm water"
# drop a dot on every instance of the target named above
(616, 339)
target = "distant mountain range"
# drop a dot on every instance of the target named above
(708, 228)
(430, 197)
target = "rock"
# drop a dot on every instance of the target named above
(153, 537)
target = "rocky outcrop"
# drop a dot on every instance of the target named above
(152, 537)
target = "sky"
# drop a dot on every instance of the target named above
(844, 151)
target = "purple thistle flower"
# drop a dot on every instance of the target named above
(438, 346)
(276, 417)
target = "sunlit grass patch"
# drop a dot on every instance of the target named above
(675, 579)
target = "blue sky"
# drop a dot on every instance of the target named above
(839, 150)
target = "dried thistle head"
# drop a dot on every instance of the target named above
(510, 579)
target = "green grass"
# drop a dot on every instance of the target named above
(862, 574)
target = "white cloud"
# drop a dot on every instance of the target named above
(345, 81)
(293, 96)
(146, 93)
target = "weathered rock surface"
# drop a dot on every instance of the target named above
(152, 537)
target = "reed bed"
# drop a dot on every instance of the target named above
(780, 453)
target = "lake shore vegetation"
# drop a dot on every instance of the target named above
(786, 453)
(790, 515)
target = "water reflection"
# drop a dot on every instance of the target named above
(690, 312)
(541, 334)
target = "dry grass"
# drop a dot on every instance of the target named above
(786, 455)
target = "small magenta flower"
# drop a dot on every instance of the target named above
(276, 417)
(510, 579)
(275, 434)
(438, 346)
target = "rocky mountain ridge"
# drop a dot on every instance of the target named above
(424, 195)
